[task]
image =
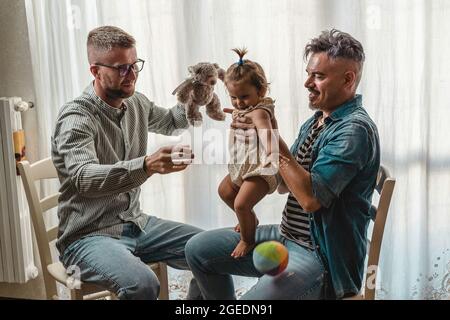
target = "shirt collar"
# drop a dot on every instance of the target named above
(102, 104)
(343, 110)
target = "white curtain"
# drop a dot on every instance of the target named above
(405, 87)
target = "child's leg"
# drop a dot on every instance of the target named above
(228, 191)
(251, 192)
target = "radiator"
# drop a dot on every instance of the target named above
(16, 245)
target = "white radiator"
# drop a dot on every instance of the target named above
(16, 245)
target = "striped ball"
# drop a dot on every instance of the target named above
(270, 257)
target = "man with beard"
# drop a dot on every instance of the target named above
(329, 173)
(99, 149)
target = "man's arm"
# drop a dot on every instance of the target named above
(74, 142)
(165, 121)
(341, 159)
(297, 180)
(294, 177)
(282, 187)
(336, 165)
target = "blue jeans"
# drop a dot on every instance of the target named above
(119, 265)
(208, 255)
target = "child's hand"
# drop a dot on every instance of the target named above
(228, 110)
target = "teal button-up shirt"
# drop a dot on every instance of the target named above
(345, 162)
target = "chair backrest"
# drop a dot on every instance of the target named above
(40, 170)
(385, 187)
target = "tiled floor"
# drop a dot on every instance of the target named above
(179, 282)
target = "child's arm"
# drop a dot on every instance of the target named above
(263, 123)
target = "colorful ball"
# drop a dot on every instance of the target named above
(270, 257)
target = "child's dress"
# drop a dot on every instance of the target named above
(246, 157)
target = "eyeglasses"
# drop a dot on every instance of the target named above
(125, 69)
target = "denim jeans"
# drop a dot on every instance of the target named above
(208, 255)
(119, 265)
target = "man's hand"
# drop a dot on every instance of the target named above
(168, 159)
(244, 122)
(272, 160)
(243, 128)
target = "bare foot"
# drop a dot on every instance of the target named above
(238, 227)
(242, 249)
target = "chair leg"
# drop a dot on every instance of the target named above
(163, 281)
(76, 294)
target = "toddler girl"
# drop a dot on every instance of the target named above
(252, 167)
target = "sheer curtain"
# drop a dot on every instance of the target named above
(405, 84)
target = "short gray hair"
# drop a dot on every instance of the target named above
(338, 44)
(106, 38)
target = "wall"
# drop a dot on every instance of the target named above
(16, 80)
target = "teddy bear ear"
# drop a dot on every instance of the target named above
(191, 69)
(216, 65)
(221, 74)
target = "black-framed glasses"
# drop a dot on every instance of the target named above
(125, 69)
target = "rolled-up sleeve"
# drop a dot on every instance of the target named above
(166, 121)
(339, 161)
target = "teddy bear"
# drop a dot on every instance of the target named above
(198, 90)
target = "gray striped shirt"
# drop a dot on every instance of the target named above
(99, 154)
(295, 224)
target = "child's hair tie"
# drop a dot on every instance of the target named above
(240, 62)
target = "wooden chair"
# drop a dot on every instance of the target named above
(44, 169)
(385, 188)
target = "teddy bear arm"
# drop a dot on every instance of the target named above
(184, 92)
(214, 110)
(193, 114)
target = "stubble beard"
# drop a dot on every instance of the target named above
(313, 107)
(118, 94)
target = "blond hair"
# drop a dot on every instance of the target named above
(105, 38)
(246, 70)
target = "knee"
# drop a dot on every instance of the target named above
(241, 207)
(201, 249)
(226, 193)
(146, 287)
(194, 250)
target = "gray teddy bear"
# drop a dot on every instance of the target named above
(198, 90)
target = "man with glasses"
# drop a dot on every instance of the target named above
(99, 150)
